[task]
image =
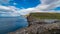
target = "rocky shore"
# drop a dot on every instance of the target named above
(39, 26)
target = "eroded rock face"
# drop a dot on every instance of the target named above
(32, 20)
(40, 29)
(38, 26)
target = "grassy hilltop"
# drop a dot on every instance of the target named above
(46, 15)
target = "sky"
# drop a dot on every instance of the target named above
(24, 7)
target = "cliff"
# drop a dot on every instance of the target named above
(40, 26)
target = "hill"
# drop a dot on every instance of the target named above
(46, 15)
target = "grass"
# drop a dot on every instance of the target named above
(46, 15)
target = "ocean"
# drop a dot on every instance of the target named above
(8, 24)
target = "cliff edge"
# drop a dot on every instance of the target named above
(40, 26)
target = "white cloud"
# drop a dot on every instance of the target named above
(8, 11)
(5, 1)
(45, 6)
(48, 1)
(15, 3)
(48, 4)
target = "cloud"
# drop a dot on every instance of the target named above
(5, 1)
(15, 3)
(45, 6)
(8, 11)
(48, 1)
(48, 4)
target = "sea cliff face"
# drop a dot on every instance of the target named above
(40, 26)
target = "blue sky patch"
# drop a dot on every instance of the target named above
(25, 3)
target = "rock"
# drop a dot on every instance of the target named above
(33, 20)
(40, 29)
(39, 26)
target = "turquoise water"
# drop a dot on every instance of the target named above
(8, 24)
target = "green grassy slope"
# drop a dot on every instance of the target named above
(46, 15)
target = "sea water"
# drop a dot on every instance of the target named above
(8, 24)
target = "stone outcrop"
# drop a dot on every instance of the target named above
(38, 26)
(40, 29)
(32, 20)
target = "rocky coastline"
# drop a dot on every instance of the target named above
(39, 26)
